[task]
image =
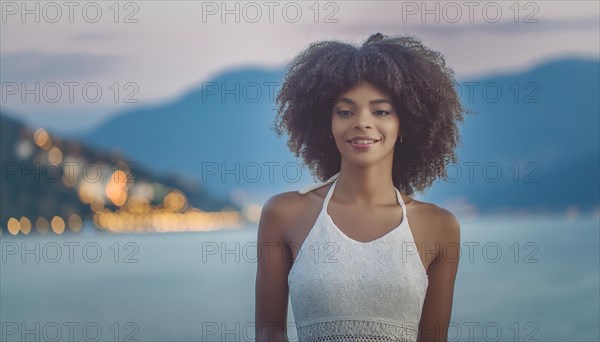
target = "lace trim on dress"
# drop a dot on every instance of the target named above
(357, 330)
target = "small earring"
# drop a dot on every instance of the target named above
(400, 138)
(330, 136)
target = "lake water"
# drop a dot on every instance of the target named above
(519, 279)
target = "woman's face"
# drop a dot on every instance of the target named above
(365, 111)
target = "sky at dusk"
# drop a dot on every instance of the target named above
(148, 52)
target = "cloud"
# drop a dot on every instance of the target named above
(544, 25)
(90, 37)
(31, 65)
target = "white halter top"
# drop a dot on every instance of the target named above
(347, 290)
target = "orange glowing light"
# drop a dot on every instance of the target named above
(58, 225)
(25, 225)
(42, 139)
(97, 205)
(175, 201)
(55, 155)
(13, 226)
(75, 223)
(116, 189)
(86, 192)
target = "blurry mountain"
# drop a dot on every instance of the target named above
(538, 128)
(535, 145)
(33, 185)
(217, 135)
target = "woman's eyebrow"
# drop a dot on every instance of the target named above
(349, 101)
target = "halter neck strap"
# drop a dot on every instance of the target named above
(318, 185)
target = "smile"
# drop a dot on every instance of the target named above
(363, 144)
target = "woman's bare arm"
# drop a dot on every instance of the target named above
(437, 308)
(273, 266)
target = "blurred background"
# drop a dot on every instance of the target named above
(136, 154)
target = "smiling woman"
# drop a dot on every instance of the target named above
(376, 122)
(370, 106)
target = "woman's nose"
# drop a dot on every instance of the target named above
(362, 125)
(363, 120)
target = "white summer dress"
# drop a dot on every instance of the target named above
(347, 290)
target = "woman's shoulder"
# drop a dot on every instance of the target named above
(281, 212)
(435, 223)
(283, 203)
(291, 202)
(290, 206)
(431, 209)
(441, 222)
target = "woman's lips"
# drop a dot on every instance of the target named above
(362, 146)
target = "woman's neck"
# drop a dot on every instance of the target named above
(366, 186)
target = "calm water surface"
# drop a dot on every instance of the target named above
(520, 279)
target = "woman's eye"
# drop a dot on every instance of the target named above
(378, 112)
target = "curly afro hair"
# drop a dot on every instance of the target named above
(420, 85)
